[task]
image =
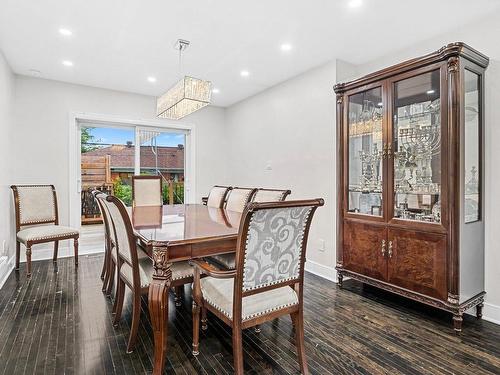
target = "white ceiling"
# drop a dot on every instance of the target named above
(117, 44)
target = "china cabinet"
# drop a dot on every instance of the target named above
(410, 179)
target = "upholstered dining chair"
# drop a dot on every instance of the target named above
(37, 221)
(217, 196)
(270, 195)
(236, 201)
(135, 269)
(109, 266)
(146, 191)
(269, 276)
(238, 198)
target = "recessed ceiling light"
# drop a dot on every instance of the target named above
(215, 90)
(286, 47)
(67, 63)
(65, 32)
(430, 92)
(152, 79)
(244, 73)
(355, 3)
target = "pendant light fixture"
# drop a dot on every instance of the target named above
(186, 96)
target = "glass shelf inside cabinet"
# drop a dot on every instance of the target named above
(417, 148)
(365, 152)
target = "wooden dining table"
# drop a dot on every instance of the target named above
(174, 233)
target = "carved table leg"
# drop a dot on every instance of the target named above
(340, 279)
(479, 310)
(158, 306)
(457, 322)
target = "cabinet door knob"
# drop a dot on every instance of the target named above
(383, 248)
(390, 249)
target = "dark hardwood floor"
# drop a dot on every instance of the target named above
(60, 323)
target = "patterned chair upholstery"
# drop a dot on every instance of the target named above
(269, 275)
(217, 196)
(238, 198)
(37, 221)
(146, 191)
(261, 195)
(270, 195)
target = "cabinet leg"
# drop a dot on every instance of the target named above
(479, 310)
(340, 279)
(457, 322)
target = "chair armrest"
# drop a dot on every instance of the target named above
(210, 270)
(204, 200)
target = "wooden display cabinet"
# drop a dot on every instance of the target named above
(411, 182)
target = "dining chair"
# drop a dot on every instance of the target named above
(238, 198)
(217, 196)
(134, 269)
(37, 221)
(268, 281)
(109, 266)
(146, 191)
(270, 195)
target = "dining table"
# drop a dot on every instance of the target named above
(174, 233)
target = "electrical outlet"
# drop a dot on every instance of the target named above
(269, 166)
(321, 244)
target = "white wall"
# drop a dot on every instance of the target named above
(6, 123)
(42, 109)
(482, 36)
(290, 128)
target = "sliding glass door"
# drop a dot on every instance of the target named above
(162, 153)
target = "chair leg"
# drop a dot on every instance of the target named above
(111, 277)
(136, 314)
(238, 350)
(76, 251)
(196, 328)
(18, 254)
(56, 248)
(204, 320)
(298, 320)
(28, 261)
(178, 295)
(117, 308)
(105, 266)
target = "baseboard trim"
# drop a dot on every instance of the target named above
(6, 267)
(321, 270)
(491, 313)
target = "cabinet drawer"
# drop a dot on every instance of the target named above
(417, 261)
(363, 249)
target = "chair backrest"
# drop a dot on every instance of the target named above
(35, 204)
(271, 247)
(125, 240)
(270, 195)
(238, 198)
(146, 191)
(217, 196)
(109, 232)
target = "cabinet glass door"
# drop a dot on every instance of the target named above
(365, 163)
(416, 135)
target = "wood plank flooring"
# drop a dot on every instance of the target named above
(60, 323)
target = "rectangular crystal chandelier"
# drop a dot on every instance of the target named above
(185, 97)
